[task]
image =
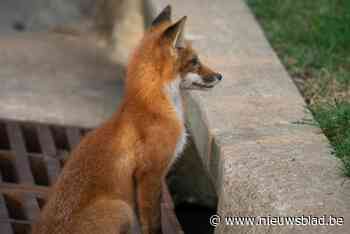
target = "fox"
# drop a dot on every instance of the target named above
(113, 177)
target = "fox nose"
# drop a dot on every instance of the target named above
(218, 76)
(213, 78)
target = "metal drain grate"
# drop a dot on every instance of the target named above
(31, 157)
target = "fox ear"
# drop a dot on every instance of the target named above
(175, 33)
(163, 16)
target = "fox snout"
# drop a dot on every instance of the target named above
(196, 75)
(198, 82)
(212, 78)
(208, 75)
(203, 79)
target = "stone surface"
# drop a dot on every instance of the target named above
(38, 15)
(61, 78)
(262, 160)
(58, 79)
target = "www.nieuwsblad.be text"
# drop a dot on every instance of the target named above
(303, 220)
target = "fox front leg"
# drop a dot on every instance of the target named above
(148, 199)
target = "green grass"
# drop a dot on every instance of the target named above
(335, 122)
(312, 39)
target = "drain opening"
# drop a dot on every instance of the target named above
(7, 168)
(83, 132)
(193, 191)
(4, 139)
(41, 202)
(38, 164)
(31, 139)
(20, 228)
(60, 138)
(39, 170)
(195, 218)
(15, 207)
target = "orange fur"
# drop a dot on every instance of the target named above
(115, 173)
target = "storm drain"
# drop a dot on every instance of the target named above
(31, 157)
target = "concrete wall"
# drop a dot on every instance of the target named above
(247, 130)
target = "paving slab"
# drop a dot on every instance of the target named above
(248, 129)
(59, 79)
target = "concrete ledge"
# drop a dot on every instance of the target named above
(263, 163)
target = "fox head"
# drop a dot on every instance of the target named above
(166, 55)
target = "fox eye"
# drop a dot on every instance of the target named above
(194, 61)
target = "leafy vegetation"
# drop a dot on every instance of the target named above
(312, 38)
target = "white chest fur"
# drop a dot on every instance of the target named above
(173, 91)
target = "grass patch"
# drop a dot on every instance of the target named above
(335, 122)
(312, 39)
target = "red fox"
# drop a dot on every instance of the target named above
(115, 173)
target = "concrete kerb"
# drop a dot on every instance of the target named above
(262, 162)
